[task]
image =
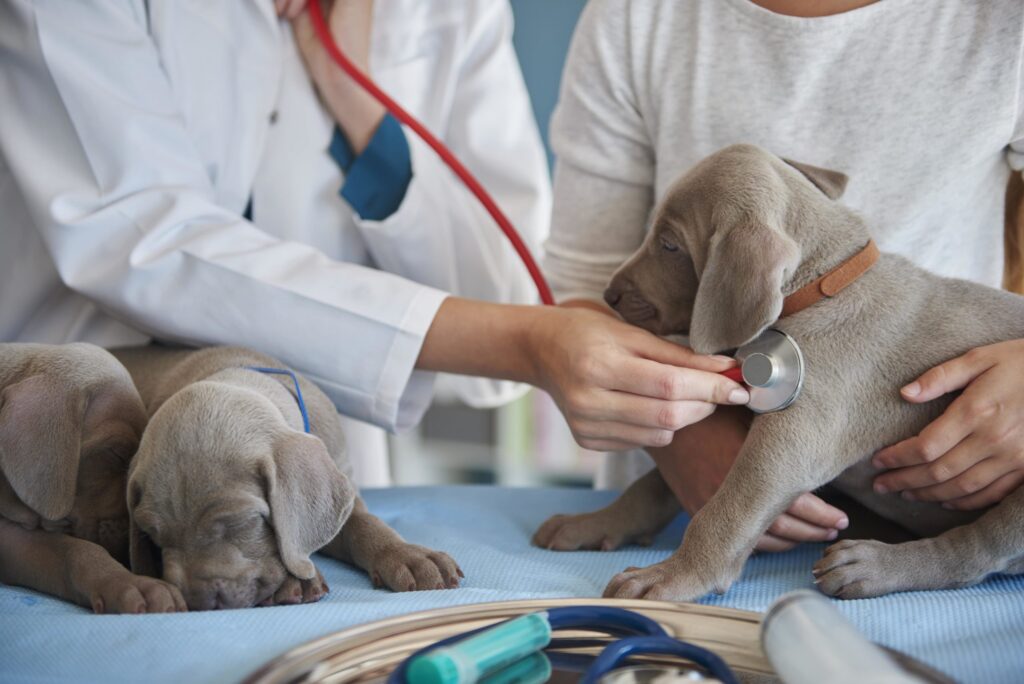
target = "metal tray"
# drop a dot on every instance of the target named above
(367, 653)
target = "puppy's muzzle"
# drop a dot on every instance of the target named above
(630, 304)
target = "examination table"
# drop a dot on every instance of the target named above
(974, 634)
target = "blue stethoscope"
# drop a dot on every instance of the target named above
(638, 635)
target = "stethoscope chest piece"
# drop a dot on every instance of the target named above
(773, 369)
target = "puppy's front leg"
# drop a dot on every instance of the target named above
(769, 473)
(81, 572)
(366, 542)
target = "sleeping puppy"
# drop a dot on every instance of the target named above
(229, 497)
(70, 421)
(731, 240)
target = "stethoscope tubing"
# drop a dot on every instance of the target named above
(638, 634)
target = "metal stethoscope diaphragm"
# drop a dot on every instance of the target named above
(772, 367)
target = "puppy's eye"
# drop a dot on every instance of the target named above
(669, 246)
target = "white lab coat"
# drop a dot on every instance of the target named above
(132, 135)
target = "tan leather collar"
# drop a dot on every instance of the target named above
(832, 282)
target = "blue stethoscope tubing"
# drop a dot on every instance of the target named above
(638, 635)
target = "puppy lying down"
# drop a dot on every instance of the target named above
(228, 496)
(70, 421)
(733, 239)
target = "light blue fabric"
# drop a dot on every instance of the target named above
(975, 634)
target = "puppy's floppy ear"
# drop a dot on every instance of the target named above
(146, 558)
(740, 291)
(832, 183)
(40, 441)
(309, 498)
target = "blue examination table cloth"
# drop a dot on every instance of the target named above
(974, 634)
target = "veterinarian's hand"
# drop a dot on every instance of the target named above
(972, 456)
(699, 458)
(351, 22)
(621, 387)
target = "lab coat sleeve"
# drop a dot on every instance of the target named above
(440, 235)
(91, 133)
(604, 170)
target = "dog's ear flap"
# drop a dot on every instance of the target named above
(740, 291)
(40, 441)
(832, 183)
(145, 556)
(310, 499)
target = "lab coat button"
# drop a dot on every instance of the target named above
(273, 117)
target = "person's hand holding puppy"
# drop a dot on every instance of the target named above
(972, 456)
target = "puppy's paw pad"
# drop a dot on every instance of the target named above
(415, 568)
(856, 568)
(589, 532)
(665, 581)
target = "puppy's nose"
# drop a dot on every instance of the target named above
(613, 296)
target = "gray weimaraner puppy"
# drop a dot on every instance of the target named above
(229, 497)
(70, 421)
(738, 235)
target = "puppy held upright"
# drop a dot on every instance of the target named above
(732, 242)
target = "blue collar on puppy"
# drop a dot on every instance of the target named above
(298, 390)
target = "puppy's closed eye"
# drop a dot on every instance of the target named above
(668, 245)
(238, 524)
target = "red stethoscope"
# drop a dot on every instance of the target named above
(771, 366)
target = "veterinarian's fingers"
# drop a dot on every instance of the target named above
(652, 413)
(971, 481)
(597, 434)
(663, 351)
(793, 529)
(938, 437)
(944, 469)
(605, 445)
(949, 376)
(771, 544)
(993, 494)
(661, 381)
(813, 509)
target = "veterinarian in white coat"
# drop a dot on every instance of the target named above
(170, 170)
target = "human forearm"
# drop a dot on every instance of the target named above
(471, 337)
(618, 386)
(355, 110)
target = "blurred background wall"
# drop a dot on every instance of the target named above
(527, 442)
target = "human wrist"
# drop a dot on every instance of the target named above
(355, 111)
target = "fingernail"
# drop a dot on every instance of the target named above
(723, 359)
(739, 396)
(877, 463)
(881, 488)
(832, 534)
(912, 390)
(843, 524)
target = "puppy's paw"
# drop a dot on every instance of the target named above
(669, 580)
(293, 591)
(409, 567)
(588, 532)
(129, 593)
(857, 568)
